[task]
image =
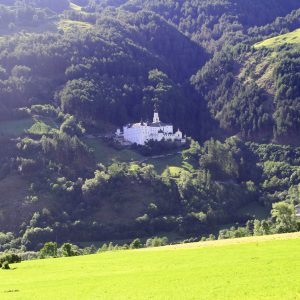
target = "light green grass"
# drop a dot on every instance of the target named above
(254, 269)
(174, 171)
(75, 6)
(67, 25)
(288, 38)
(41, 128)
(105, 154)
(15, 128)
(160, 164)
(78, 8)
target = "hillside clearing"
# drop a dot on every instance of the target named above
(78, 8)
(256, 268)
(75, 6)
(67, 25)
(106, 154)
(288, 38)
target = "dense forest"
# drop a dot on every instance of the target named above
(71, 70)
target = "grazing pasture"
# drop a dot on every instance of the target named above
(247, 268)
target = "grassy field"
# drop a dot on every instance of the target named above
(106, 154)
(288, 38)
(41, 128)
(78, 8)
(75, 6)
(67, 25)
(174, 162)
(15, 128)
(250, 268)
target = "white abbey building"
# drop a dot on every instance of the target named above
(142, 132)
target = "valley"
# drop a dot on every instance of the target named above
(226, 72)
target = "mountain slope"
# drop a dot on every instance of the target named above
(256, 93)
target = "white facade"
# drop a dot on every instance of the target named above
(142, 132)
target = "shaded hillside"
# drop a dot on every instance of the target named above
(256, 94)
(215, 23)
(111, 62)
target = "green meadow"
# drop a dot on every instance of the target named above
(250, 268)
(67, 25)
(106, 154)
(288, 38)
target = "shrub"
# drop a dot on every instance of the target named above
(157, 242)
(49, 250)
(136, 244)
(29, 255)
(5, 265)
(68, 249)
(11, 258)
(103, 248)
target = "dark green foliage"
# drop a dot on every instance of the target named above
(10, 258)
(5, 265)
(152, 148)
(239, 108)
(157, 242)
(285, 219)
(287, 115)
(49, 250)
(71, 127)
(136, 244)
(68, 249)
(281, 25)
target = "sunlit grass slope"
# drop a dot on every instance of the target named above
(67, 25)
(252, 269)
(75, 6)
(288, 38)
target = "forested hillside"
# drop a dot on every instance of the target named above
(226, 72)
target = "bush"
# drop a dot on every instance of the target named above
(11, 258)
(29, 255)
(157, 242)
(5, 265)
(68, 249)
(136, 244)
(49, 250)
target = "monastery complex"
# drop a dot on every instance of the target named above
(142, 132)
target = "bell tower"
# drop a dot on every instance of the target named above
(155, 116)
